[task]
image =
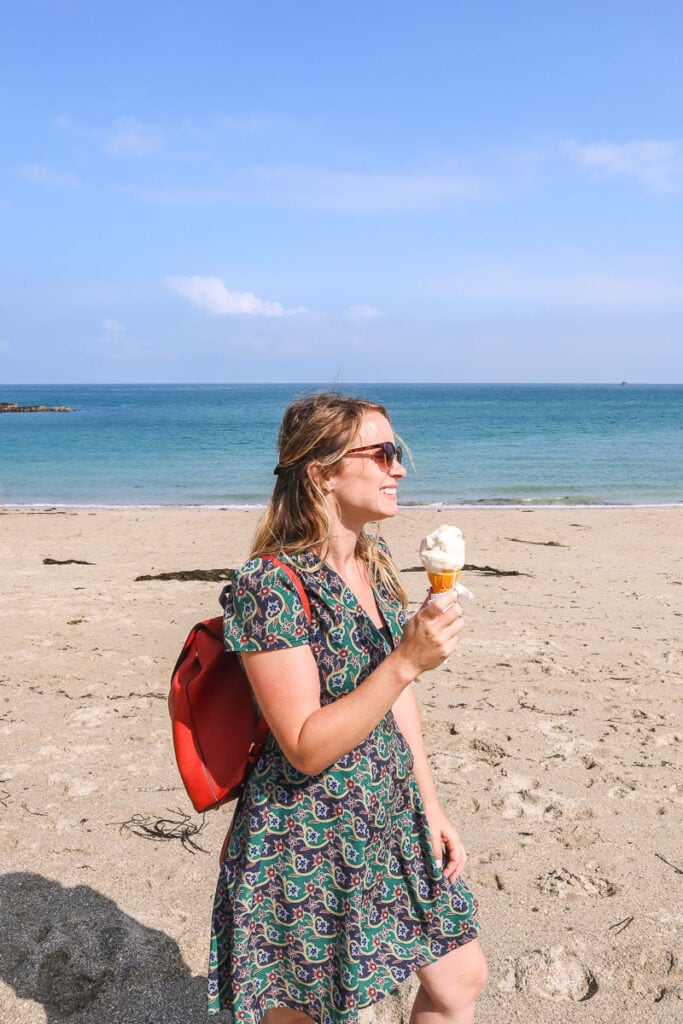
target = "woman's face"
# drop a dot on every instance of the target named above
(363, 489)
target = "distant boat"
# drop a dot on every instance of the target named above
(624, 383)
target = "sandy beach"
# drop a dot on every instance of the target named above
(554, 735)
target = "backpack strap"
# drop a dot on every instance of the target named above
(296, 580)
(294, 577)
(262, 729)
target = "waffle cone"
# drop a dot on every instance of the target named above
(443, 581)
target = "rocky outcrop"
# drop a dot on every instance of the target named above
(15, 407)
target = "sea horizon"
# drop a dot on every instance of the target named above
(335, 384)
(474, 445)
(409, 507)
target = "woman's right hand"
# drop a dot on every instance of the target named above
(431, 635)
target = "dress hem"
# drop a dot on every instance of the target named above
(382, 992)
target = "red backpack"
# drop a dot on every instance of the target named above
(218, 733)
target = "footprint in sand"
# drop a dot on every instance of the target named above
(461, 803)
(489, 868)
(621, 787)
(556, 973)
(573, 750)
(486, 876)
(490, 753)
(564, 883)
(658, 973)
(90, 718)
(518, 796)
(668, 739)
(578, 837)
(488, 748)
(71, 786)
(445, 765)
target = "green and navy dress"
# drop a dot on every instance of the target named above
(329, 895)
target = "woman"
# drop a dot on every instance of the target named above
(341, 875)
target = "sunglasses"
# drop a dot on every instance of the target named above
(385, 451)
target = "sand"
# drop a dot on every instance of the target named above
(554, 734)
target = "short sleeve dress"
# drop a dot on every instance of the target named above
(329, 895)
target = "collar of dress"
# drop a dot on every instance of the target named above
(323, 578)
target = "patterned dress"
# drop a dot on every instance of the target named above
(329, 895)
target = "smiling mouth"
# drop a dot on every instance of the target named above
(388, 490)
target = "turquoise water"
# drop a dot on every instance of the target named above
(215, 444)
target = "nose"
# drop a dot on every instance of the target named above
(397, 470)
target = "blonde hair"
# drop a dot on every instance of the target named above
(317, 428)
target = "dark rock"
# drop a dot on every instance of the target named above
(13, 407)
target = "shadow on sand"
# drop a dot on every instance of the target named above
(75, 952)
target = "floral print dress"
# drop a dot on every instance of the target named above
(329, 895)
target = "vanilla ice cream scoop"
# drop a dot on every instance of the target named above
(443, 555)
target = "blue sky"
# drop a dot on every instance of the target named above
(310, 191)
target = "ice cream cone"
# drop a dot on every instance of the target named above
(441, 582)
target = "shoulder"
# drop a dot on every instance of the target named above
(263, 576)
(264, 609)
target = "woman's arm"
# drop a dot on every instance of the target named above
(443, 835)
(287, 687)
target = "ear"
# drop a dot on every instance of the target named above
(320, 477)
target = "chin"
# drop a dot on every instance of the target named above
(390, 509)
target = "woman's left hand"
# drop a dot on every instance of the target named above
(446, 843)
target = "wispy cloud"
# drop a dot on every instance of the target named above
(189, 138)
(114, 337)
(201, 143)
(111, 326)
(656, 164)
(602, 291)
(359, 313)
(130, 137)
(39, 174)
(249, 124)
(322, 188)
(210, 293)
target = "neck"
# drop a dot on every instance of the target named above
(341, 552)
(341, 555)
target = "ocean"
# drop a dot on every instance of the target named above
(472, 444)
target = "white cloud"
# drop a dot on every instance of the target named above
(656, 164)
(130, 137)
(210, 293)
(363, 313)
(39, 174)
(361, 192)
(114, 337)
(597, 290)
(320, 188)
(110, 326)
